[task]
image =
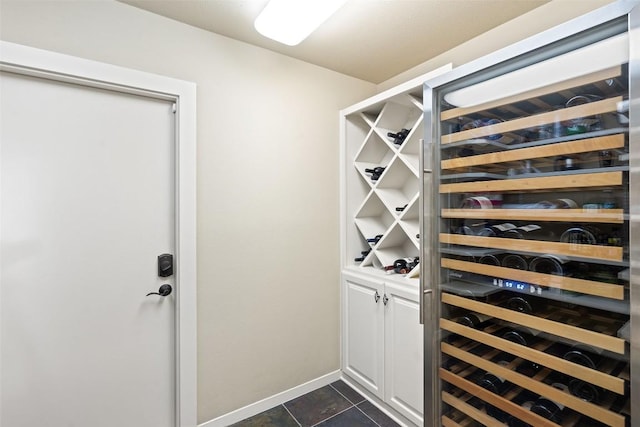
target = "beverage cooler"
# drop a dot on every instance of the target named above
(530, 230)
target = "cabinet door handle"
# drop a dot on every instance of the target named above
(376, 297)
(385, 300)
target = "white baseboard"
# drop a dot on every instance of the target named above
(275, 400)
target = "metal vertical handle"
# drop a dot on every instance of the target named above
(425, 224)
(376, 297)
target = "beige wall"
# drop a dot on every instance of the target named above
(268, 264)
(539, 19)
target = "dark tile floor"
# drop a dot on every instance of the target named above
(334, 405)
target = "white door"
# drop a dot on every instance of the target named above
(87, 205)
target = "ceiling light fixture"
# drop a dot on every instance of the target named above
(291, 21)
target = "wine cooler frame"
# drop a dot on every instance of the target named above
(439, 382)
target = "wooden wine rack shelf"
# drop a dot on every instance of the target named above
(610, 216)
(584, 110)
(599, 76)
(588, 287)
(608, 382)
(609, 142)
(594, 411)
(448, 422)
(487, 396)
(592, 338)
(563, 182)
(609, 253)
(474, 413)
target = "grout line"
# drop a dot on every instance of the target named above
(334, 415)
(289, 412)
(355, 405)
(367, 415)
(348, 400)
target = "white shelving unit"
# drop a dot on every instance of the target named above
(381, 335)
(387, 206)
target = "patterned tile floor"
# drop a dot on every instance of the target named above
(334, 405)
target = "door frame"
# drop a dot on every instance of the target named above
(34, 62)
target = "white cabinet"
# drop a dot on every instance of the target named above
(403, 351)
(382, 342)
(363, 332)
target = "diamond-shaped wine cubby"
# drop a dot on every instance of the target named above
(395, 245)
(410, 220)
(373, 219)
(398, 117)
(398, 186)
(374, 154)
(410, 149)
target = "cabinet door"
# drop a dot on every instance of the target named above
(363, 333)
(403, 352)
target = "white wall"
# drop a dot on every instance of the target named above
(268, 263)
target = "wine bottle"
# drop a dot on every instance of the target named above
(465, 230)
(494, 383)
(405, 265)
(582, 236)
(489, 260)
(530, 231)
(514, 261)
(584, 355)
(497, 385)
(474, 320)
(521, 336)
(548, 409)
(527, 305)
(374, 240)
(399, 137)
(501, 229)
(487, 232)
(375, 172)
(363, 255)
(549, 264)
(525, 399)
(585, 391)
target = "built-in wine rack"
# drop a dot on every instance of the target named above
(533, 237)
(381, 145)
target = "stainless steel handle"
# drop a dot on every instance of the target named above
(426, 155)
(422, 303)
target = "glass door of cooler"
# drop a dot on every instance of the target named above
(532, 171)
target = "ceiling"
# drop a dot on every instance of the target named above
(372, 40)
